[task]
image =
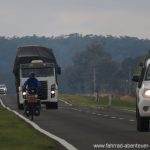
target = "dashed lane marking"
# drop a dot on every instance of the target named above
(94, 113)
(120, 118)
(113, 117)
(99, 114)
(131, 120)
(74, 109)
(106, 115)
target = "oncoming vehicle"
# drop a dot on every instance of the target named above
(143, 97)
(42, 62)
(3, 89)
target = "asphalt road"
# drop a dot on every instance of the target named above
(85, 127)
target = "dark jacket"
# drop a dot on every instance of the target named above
(32, 83)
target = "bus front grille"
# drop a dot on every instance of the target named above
(43, 91)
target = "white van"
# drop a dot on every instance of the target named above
(143, 97)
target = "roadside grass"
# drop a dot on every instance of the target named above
(90, 101)
(15, 134)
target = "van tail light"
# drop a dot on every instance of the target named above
(53, 88)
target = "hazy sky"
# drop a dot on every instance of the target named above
(57, 17)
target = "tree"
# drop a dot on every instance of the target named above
(80, 76)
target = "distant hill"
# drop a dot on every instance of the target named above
(65, 47)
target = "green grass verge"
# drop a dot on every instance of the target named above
(15, 134)
(90, 101)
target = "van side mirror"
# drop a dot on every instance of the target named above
(59, 70)
(141, 64)
(135, 78)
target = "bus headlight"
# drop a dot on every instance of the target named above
(24, 93)
(146, 93)
(52, 92)
(53, 88)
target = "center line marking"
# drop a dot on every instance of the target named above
(113, 117)
(132, 120)
(94, 113)
(99, 114)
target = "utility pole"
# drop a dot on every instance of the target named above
(129, 86)
(94, 80)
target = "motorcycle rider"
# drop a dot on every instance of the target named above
(32, 84)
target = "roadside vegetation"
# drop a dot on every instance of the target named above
(91, 102)
(17, 135)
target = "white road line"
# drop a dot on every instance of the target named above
(113, 117)
(35, 126)
(79, 110)
(94, 113)
(99, 114)
(131, 120)
(128, 110)
(74, 109)
(65, 102)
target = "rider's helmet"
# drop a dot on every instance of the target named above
(32, 75)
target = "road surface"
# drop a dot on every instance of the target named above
(83, 128)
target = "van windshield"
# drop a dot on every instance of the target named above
(39, 72)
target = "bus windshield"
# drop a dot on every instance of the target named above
(39, 72)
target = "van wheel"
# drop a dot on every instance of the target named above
(142, 123)
(52, 105)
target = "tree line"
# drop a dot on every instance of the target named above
(80, 57)
(94, 70)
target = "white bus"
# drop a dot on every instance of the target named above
(46, 71)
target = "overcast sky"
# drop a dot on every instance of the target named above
(62, 17)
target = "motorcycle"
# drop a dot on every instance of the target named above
(32, 104)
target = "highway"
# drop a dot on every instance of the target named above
(85, 127)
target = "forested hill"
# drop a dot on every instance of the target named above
(65, 47)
